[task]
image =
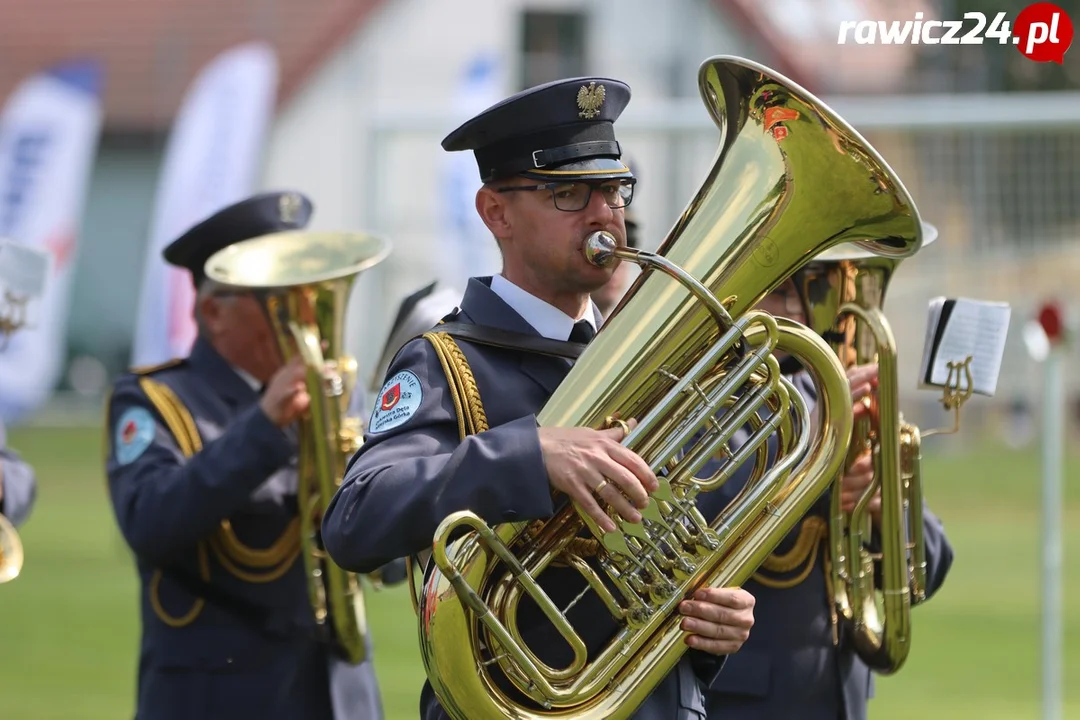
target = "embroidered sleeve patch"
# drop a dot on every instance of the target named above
(134, 433)
(398, 401)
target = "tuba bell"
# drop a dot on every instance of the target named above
(303, 281)
(843, 292)
(685, 355)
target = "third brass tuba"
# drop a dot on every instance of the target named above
(686, 356)
(303, 281)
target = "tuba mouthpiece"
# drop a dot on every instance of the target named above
(600, 248)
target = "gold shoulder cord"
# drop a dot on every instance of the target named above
(227, 548)
(463, 389)
(805, 551)
(812, 531)
(468, 407)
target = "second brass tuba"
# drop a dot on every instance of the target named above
(843, 291)
(686, 356)
(303, 281)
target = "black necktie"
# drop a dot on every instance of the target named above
(582, 332)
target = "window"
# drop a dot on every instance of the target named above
(552, 47)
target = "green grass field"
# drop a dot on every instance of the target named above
(69, 624)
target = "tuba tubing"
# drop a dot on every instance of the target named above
(883, 639)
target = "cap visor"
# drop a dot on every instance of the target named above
(590, 169)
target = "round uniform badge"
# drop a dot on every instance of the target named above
(134, 433)
(398, 401)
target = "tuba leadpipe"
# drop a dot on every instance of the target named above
(685, 356)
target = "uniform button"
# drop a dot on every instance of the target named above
(510, 516)
(228, 661)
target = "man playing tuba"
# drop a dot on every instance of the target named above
(552, 175)
(202, 476)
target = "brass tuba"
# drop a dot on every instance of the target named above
(684, 355)
(843, 291)
(303, 281)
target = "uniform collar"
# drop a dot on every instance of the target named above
(221, 376)
(482, 306)
(546, 319)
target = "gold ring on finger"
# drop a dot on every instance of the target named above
(601, 486)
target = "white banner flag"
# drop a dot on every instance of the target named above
(49, 132)
(473, 249)
(212, 160)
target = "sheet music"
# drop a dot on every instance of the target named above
(23, 270)
(962, 327)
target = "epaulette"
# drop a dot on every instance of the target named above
(158, 367)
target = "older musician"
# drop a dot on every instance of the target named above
(202, 476)
(552, 175)
(800, 662)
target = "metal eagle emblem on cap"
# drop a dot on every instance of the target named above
(589, 100)
(289, 206)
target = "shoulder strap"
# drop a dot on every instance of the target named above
(508, 339)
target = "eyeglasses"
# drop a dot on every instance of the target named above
(574, 196)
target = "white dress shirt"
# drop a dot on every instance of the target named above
(548, 320)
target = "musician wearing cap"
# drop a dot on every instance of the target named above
(454, 427)
(201, 469)
(801, 660)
